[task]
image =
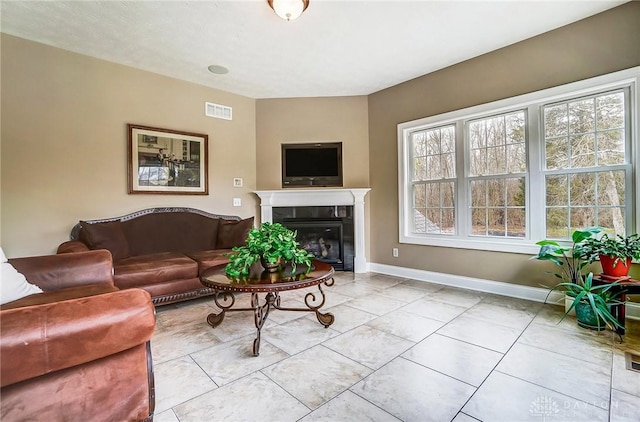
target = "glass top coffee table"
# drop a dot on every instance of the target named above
(272, 284)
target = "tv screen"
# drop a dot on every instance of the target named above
(317, 164)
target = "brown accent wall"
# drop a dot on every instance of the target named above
(64, 142)
(603, 43)
(291, 120)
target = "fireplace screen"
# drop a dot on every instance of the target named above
(322, 238)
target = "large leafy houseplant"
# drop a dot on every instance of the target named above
(273, 244)
(570, 259)
(592, 302)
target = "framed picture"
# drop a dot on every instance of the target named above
(167, 161)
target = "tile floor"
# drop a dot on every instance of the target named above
(399, 350)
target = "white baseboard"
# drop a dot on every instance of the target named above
(536, 294)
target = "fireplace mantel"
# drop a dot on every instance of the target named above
(321, 197)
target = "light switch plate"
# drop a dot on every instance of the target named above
(237, 202)
(237, 182)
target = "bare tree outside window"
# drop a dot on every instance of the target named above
(584, 149)
(433, 185)
(498, 163)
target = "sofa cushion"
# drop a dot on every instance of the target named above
(108, 235)
(233, 233)
(14, 285)
(137, 271)
(60, 295)
(170, 232)
(208, 259)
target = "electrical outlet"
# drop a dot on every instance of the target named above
(394, 251)
(237, 202)
(237, 182)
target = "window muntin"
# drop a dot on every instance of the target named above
(433, 182)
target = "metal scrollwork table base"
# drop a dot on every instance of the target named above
(272, 284)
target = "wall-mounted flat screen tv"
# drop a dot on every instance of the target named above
(312, 164)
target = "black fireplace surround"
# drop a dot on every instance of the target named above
(325, 231)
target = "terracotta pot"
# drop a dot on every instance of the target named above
(619, 270)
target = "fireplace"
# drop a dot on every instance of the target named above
(325, 231)
(345, 206)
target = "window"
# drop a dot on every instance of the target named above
(586, 164)
(504, 175)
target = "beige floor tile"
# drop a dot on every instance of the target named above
(347, 318)
(502, 398)
(481, 333)
(348, 407)
(512, 303)
(180, 341)
(356, 289)
(509, 317)
(434, 309)
(230, 361)
(403, 293)
(252, 398)
(425, 286)
(593, 348)
(458, 297)
(316, 375)
(297, 335)
(369, 346)
(166, 416)
(460, 360)
(624, 407)
(412, 392)
(624, 379)
(178, 381)
(572, 376)
(380, 281)
(407, 325)
(376, 304)
(461, 417)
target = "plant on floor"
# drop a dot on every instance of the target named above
(592, 302)
(272, 244)
(571, 260)
(618, 249)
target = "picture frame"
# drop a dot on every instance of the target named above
(167, 161)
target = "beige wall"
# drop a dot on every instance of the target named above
(64, 142)
(292, 120)
(601, 44)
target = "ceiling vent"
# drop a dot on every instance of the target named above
(218, 111)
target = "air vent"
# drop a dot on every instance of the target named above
(633, 362)
(218, 111)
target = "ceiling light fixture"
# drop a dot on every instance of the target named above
(288, 9)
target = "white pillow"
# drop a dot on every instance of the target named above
(3, 257)
(13, 285)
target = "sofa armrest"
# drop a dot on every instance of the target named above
(54, 272)
(41, 339)
(72, 246)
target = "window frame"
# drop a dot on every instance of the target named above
(532, 104)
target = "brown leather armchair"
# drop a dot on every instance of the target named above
(81, 349)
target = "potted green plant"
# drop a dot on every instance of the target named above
(592, 303)
(273, 245)
(615, 252)
(569, 259)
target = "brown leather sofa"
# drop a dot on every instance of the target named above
(162, 250)
(79, 351)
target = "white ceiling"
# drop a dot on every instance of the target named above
(336, 48)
